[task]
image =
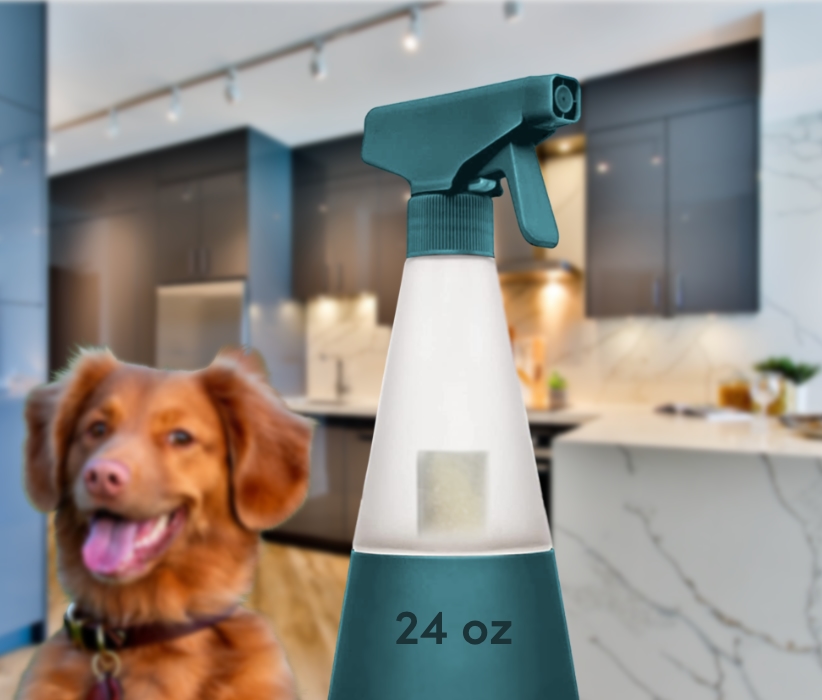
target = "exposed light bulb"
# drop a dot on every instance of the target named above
(413, 35)
(319, 67)
(512, 11)
(113, 126)
(232, 87)
(175, 109)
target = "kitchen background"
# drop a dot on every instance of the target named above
(162, 197)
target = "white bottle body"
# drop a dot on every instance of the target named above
(452, 468)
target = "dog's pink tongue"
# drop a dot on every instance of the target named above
(109, 545)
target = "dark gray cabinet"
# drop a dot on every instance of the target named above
(626, 220)
(225, 225)
(672, 197)
(102, 275)
(179, 220)
(349, 225)
(190, 213)
(712, 210)
(322, 515)
(358, 439)
(339, 459)
(202, 230)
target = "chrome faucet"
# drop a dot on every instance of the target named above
(341, 388)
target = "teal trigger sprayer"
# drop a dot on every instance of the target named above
(452, 588)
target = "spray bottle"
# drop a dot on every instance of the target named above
(452, 589)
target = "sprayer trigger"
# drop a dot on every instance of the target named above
(520, 166)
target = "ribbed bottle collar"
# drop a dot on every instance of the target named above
(460, 224)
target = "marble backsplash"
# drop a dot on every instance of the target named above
(637, 359)
(345, 330)
(654, 359)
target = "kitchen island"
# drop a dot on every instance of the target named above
(690, 556)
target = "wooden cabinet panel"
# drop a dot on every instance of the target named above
(225, 225)
(712, 210)
(626, 221)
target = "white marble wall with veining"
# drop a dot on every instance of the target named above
(345, 330)
(689, 574)
(654, 359)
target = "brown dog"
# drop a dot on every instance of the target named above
(161, 482)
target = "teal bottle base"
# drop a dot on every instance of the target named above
(528, 659)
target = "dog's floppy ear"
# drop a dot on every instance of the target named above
(269, 445)
(51, 414)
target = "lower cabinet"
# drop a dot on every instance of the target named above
(339, 459)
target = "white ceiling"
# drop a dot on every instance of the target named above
(100, 53)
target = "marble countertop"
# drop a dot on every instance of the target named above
(642, 427)
(628, 425)
(358, 408)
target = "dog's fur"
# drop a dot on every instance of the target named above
(245, 471)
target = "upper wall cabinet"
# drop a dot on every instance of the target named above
(349, 225)
(672, 158)
(712, 210)
(202, 228)
(626, 251)
(191, 213)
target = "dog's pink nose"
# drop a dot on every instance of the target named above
(105, 478)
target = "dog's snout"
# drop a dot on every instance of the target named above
(105, 478)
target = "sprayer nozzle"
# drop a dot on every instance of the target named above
(468, 141)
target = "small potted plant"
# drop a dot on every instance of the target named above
(795, 377)
(558, 392)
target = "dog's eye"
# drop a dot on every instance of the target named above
(179, 438)
(97, 429)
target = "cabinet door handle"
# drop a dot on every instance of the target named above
(656, 292)
(679, 291)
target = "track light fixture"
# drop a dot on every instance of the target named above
(113, 125)
(413, 35)
(319, 66)
(175, 108)
(512, 11)
(227, 75)
(232, 87)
